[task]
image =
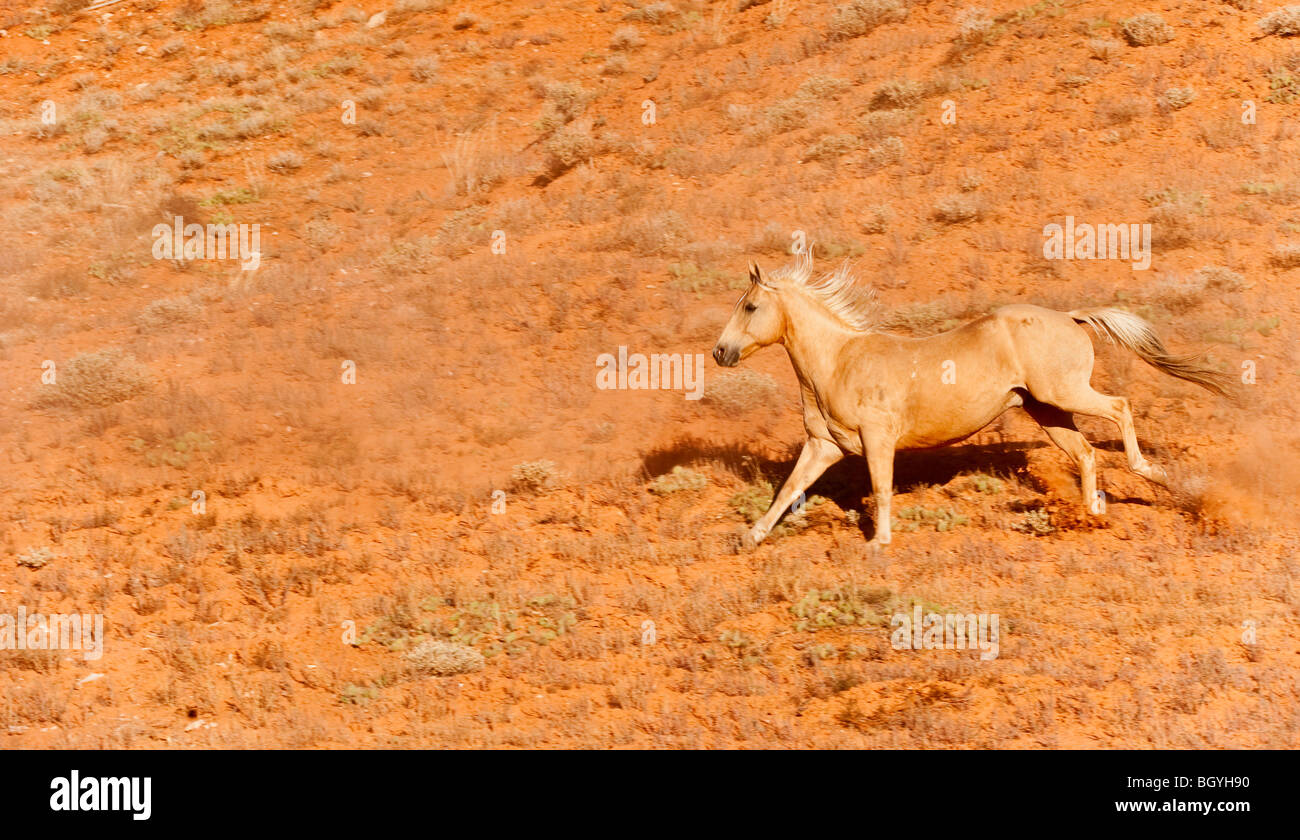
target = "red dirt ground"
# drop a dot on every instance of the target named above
(345, 524)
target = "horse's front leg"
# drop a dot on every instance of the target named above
(880, 462)
(816, 457)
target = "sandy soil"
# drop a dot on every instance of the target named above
(394, 428)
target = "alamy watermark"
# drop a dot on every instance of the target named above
(57, 631)
(1073, 241)
(179, 241)
(657, 371)
(946, 631)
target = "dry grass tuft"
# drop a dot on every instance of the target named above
(1146, 30)
(96, 379)
(432, 656)
(1284, 22)
(861, 16)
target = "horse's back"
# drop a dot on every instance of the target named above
(1049, 346)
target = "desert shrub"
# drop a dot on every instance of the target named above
(886, 153)
(917, 517)
(1284, 22)
(1146, 30)
(678, 480)
(1104, 49)
(1175, 217)
(424, 69)
(861, 16)
(973, 25)
(433, 656)
(787, 115)
(569, 147)
(1120, 111)
(96, 379)
(1175, 99)
(283, 163)
(878, 125)
(1286, 255)
(35, 558)
(565, 102)
(896, 93)
(658, 12)
(626, 38)
(535, 476)
(831, 146)
(409, 256)
(167, 311)
(648, 234)
(984, 483)
(822, 87)
(877, 218)
(956, 208)
(740, 391)
(753, 501)
(1220, 278)
(1178, 295)
(1036, 522)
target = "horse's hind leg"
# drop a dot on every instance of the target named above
(1082, 399)
(1060, 427)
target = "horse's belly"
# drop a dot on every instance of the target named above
(940, 425)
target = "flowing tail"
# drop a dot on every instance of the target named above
(1140, 337)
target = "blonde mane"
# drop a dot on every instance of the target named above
(855, 306)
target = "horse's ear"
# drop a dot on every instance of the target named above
(753, 273)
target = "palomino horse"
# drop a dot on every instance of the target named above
(870, 393)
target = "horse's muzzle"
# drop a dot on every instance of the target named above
(725, 357)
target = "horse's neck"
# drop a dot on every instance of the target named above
(813, 338)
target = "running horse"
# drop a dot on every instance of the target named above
(867, 392)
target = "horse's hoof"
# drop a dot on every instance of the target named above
(876, 546)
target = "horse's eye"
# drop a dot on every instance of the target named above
(750, 307)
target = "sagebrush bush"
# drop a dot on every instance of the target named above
(861, 16)
(284, 162)
(535, 476)
(896, 93)
(956, 208)
(424, 69)
(167, 311)
(626, 38)
(1176, 218)
(678, 480)
(1220, 278)
(877, 218)
(95, 379)
(433, 656)
(1175, 99)
(831, 146)
(35, 558)
(1286, 255)
(888, 152)
(1284, 22)
(569, 147)
(1146, 30)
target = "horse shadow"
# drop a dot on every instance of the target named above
(848, 482)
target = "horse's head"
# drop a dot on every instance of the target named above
(757, 321)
